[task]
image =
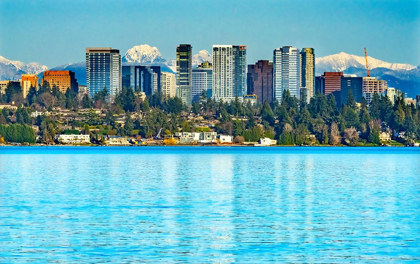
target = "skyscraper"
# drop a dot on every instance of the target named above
(184, 72)
(260, 80)
(103, 70)
(202, 80)
(308, 71)
(142, 78)
(229, 72)
(286, 72)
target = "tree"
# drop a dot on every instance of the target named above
(334, 134)
(351, 137)
(351, 103)
(128, 126)
(267, 113)
(86, 102)
(239, 140)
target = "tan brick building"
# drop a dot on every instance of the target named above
(63, 80)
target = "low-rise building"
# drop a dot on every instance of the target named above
(208, 137)
(266, 142)
(116, 141)
(188, 137)
(224, 139)
(73, 139)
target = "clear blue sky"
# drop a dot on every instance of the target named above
(57, 32)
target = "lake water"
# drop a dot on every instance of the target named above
(209, 204)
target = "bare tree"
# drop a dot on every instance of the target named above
(351, 136)
(334, 134)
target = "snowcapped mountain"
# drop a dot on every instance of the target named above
(405, 77)
(79, 69)
(147, 55)
(12, 70)
(144, 54)
(342, 61)
(200, 57)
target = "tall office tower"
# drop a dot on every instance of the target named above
(371, 86)
(168, 84)
(184, 72)
(63, 80)
(260, 80)
(202, 78)
(355, 84)
(229, 72)
(308, 72)
(145, 79)
(286, 72)
(28, 81)
(103, 69)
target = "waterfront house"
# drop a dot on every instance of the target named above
(73, 139)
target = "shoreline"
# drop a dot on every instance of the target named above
(223, 146)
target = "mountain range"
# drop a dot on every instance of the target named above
(405, 77)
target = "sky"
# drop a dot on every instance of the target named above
(57, 32)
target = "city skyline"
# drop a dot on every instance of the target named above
(58, 38)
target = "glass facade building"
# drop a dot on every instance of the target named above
(184, 73)
(229, 72)
(202, 80)
(260, 80)
(145, 79)
(286, 72)
(103, 70)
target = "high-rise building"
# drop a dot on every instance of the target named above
(145, 79)
(371, 85)
(308, 72)
(202, 79)
(28, 81)
(63, 80)
(168, 84)
(353, 84)
(103, 70)
(229, 72)
(184, 72)
(332, 82)
(260, 80)
(286, 72)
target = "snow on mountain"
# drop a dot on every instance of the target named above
(171, 65)
(79, 69)
(200, 57)
(343, 61)
(144, 54)
(12, 70)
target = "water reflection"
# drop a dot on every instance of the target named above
(220, 205)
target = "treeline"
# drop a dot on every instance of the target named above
(17, 133)
(290, 121)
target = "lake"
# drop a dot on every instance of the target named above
(209, 204)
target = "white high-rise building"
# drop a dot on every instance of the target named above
(229, 72)
(168, 84)
(103, 70)
(286, 72)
